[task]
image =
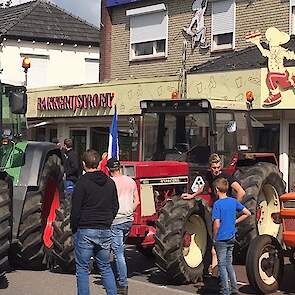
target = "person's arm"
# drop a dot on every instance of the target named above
(246, 214)
(216, 226)
(77, 199)
(216, 215)
(240, 193)
(136, 201)
(115, 201)
(187, 196)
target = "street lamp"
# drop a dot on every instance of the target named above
(26, 65)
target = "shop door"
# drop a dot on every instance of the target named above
(79, 141)
(291, 157)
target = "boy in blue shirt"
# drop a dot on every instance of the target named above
(224, 230)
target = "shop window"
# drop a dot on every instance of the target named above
(38, 72)
(267, 138)
(148, 32)
(91, 70)
(223, 25)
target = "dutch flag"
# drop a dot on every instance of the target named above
(113, 149)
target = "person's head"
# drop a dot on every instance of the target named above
(221, 186)
(56, 141)
(68, 143)
(114, 165)
(215, 164)
(90, 160)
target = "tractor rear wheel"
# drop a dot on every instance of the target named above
(181, 240)
(265, 264)
(263, 185)
(62, 251)
(35, 228)
(5, 225)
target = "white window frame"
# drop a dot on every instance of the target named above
(148, 10)
(224, 47)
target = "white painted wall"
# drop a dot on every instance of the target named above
(65, 64)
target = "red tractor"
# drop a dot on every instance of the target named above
(265, 258)
(177, 137)
(176, 140)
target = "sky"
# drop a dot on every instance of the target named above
(85, 9)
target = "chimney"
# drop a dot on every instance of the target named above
(105, 43)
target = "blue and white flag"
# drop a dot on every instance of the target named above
(113, 150)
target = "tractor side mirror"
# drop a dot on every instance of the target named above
(231, 126)
(18, 102)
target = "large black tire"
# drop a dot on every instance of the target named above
(5, 225)
(62, 252)
(178, 220)
(265, 264)
(31, 253)
(263, 185)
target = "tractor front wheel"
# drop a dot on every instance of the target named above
(182, 240)
(263, 185)
(265, 264)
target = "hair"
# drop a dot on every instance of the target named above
(214, 158)
(68, 142)
(221, 184)
(91, 159)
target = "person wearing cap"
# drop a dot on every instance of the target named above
(128, 201)
(94, 207)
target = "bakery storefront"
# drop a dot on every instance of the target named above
(84, 113)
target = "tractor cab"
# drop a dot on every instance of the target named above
(190, 130)
(13, 106)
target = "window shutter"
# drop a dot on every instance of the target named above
(91, 70)
(148, 27)
(223, 17)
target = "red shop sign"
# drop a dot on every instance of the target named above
(74, 102)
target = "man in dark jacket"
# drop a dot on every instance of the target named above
(71, 165)
(94, 207)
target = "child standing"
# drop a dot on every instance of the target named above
(224, 230)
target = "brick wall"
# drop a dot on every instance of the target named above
(260, 14)
(105, 44)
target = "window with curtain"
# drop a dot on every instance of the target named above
(38, 72)
(91, 70)
(148, 32)
(223, 25)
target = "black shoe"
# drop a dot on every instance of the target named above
(122, 290)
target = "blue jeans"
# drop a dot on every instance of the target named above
(119, 235)
(97, 243)
(224, 251)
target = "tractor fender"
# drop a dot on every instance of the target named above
(36, 154)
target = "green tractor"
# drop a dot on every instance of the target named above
(31, 189)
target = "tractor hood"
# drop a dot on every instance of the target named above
(155, 169)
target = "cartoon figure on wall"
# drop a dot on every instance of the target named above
(278, 76)
(197, 29)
